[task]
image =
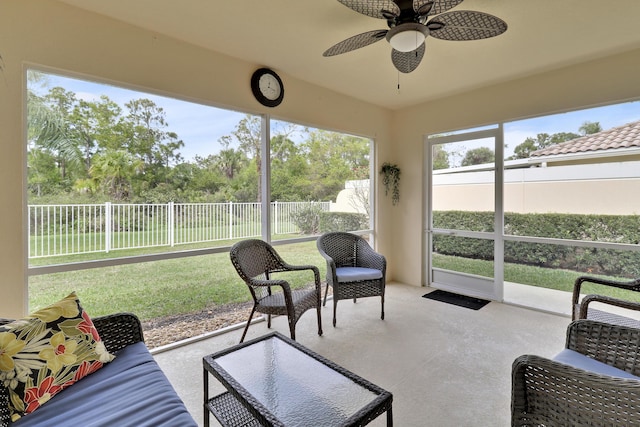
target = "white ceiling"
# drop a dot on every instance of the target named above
(291, 35)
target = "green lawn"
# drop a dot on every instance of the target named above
(161, 288)
(558, 279)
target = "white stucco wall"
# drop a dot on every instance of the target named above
(581, 189)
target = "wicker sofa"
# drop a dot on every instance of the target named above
(595, 381)
(131, 390)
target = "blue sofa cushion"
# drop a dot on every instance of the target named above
(357, 274)
(580, 361)
(130, 391)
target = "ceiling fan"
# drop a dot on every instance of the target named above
(409, 26)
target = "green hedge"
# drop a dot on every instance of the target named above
(600, 228)
(313, 220)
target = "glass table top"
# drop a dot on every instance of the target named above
(298, 389)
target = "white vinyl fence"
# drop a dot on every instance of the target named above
(74, 229)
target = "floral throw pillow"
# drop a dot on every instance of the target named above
(47, 351)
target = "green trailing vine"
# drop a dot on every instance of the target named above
(391, 181)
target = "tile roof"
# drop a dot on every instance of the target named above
(625, 136)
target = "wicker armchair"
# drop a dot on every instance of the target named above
(354, 269)
(581, 309)
(550, 393)
(255, 261)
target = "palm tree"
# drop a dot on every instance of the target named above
(47, 130)
(228, 161)
(114, 170)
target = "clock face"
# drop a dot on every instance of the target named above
(267, 87)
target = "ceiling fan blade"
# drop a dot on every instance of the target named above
(406, 62)
(382, 9)
(466, 25)
(423, 8)
(355, 42)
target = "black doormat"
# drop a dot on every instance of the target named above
(456, 299)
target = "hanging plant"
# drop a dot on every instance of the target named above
(391, 181)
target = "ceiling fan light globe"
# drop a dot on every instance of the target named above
(407, 37)
(407, 41)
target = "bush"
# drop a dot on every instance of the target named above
(342, 221)
(307, 219)
(596, 228)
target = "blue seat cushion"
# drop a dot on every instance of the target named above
(357, 274)
(580, 361)
(130, 391)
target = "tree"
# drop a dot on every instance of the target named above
(289, 170)
(228, 162)
(49, 140)
(113, 171)
(440, 157)
(478, 156)
(148, 141)
(128, 153)
(542, 140)
(333, 159)
(44, 176)
(359, 200)
(589, 128)
(207, 177)
(95, 126)
(248, 133)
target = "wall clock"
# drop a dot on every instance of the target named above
(267, 87)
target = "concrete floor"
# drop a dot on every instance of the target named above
(445, 365)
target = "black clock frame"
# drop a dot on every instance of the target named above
(255, 87)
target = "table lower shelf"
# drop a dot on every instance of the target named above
(230, 412)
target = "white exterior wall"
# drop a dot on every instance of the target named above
(606, 188)
(352, 198)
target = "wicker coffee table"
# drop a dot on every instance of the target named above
(274, 381)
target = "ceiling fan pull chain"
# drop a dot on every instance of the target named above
(398, 82)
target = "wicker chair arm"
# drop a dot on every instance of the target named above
(270, 282)
(633, 285)
(313, 268)
(546, 392)
(331, 266)
(584, 304)
(316, 271)
(119, 330)
(615, 345)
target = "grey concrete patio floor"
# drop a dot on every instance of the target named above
(445, 365)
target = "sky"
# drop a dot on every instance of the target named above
(200, 126)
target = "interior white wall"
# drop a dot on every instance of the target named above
(59, 37)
